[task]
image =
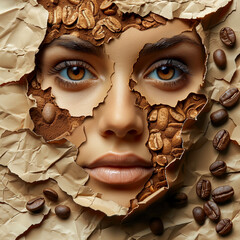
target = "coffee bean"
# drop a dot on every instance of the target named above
(220, 59)
(218, 168)
(156, 226)
(203, 189)
(227, 36)
(35, 205)
(62, 211)
(230, 97)
(49, 113)
(219, 117)
(199, 215)
(212, 210)
(224, 227)
(54, 1)
(222, 194)
(221, 140)
(179, 200)
(50, 194)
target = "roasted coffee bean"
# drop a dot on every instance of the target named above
(50, 194)
(35, 205)
(224, 227)
(170, 132)
(147, 24)
(144, 194)
(69, 15)
(153, 115)
(219, 117)
(222, 194)
(113, 24)
(199, 215)
(212, 210)
(155, 142)
(177, 140)
(227, 36)
(162, 119)
(75, 2)
(156, 226)
(161, 160)
(98, 32)
(86, 19)
(220, 59)
(57, 16)
(203, 189)
(106, 4)
(110, 12)
(221, 140)
(230, 97)
(62, 211)
(158, 18)
(167, 147)
(54, 1)
(49, 113)
(178, 200)
(178, 114)
(218, 168)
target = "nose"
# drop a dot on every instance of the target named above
(120, 116)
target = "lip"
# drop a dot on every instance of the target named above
(120, 169)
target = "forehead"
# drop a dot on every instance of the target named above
(133, 41)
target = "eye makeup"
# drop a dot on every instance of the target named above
(167, 74)
(74, 75)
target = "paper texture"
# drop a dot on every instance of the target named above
(172, 9)
(28, 164)
(30, 27)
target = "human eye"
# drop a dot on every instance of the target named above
(168, 74)
(74, 74)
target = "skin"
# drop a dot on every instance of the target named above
(118, 126)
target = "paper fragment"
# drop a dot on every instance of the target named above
(172, 9)
(17, 57)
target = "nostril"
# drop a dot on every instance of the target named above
(121, 134)
(108, 133)
(133, 132)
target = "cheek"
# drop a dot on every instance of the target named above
(78, 103)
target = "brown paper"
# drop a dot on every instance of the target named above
(14, 194)
(172, 9)
(28, 164)
(29, 25)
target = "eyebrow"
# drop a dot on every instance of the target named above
(77, 45)
(166, 43)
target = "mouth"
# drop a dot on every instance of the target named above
(120, 169)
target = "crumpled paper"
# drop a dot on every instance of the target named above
(31, 28)
(172, 9)
(49, 165)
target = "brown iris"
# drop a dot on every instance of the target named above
(76, 73)
(165, 72)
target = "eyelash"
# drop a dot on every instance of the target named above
(70, 84)
(172, 84)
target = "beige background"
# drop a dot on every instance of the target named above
(28, 164)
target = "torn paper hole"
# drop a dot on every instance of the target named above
(169, 9)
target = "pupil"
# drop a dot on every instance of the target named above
(75, 70)
(165, 69)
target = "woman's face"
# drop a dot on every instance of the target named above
(166, 64)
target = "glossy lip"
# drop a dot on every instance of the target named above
(120, 169)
